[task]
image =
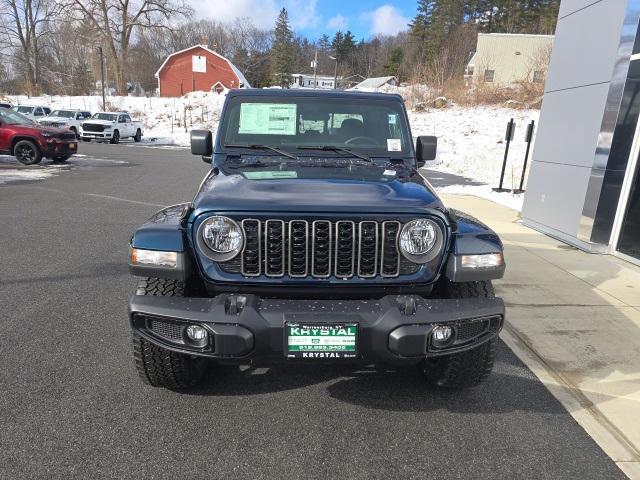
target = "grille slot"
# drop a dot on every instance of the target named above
(345, 249)
(390, 257)
(367, 249)
(320, 249)
(274, 248)
(251, 257)
(470, 330)
(298, 248)
(170, 331)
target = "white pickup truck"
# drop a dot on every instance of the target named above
(111, 127)
(65, 119)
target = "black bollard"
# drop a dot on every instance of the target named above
(511, 128)
(528, 139)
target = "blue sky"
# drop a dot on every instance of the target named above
(365, 18)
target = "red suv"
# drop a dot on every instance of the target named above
(29, 142)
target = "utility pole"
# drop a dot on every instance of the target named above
(315, 71)
(102, 79)
(335, 72)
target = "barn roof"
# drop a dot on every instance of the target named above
(235, 69)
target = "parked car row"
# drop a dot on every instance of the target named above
(30, 142)
(102, 126)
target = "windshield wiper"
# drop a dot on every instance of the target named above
(331, 148)
(264, 147)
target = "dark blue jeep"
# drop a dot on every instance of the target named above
(314, 238)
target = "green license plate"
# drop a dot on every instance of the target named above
(327, 340)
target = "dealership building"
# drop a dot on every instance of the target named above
(583, 187)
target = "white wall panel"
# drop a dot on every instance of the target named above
(585, 46)
(569, 124)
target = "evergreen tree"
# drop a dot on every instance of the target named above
(394, 62)
(324, 44)
(282, 51)
(420, 26)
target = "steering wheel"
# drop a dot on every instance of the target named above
(368, 140)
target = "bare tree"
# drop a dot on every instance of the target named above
(117, 22)
(23, 24)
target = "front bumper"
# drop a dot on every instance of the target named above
(97, 135)
(59, 148)
(243, 328)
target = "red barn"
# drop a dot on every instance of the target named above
(197, 69)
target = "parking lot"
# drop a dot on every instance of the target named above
(73, 407)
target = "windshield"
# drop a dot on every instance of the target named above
(63, 113)
(110, 117)
(13, 118)
(23, 109)
(375, 127)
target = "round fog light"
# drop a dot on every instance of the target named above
(196, 333)
(442, 335)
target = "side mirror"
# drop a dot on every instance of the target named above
(202, 144)
(426, 148)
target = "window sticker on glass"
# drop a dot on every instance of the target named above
(392, 119)
(394, 145)
(268, 118)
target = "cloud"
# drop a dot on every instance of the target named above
(339, 22)
(263, 13)
(385, 20)
(302, 13)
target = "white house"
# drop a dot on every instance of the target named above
(306, 80)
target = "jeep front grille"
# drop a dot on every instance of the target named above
(320, 249)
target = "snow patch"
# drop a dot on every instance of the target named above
(11, 175)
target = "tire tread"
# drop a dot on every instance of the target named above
(158, 366)
(470, 368)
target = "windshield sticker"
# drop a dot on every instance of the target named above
(394, 144)
(392, 119)
(391, 173)
(270, 175)
(268, 118)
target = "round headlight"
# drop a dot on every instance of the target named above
(220, 238)
(420, 240)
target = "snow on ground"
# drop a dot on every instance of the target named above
(471, 144)
(470, 139)
(8, 175)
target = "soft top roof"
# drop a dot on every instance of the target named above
(277, 92)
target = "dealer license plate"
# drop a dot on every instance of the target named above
(72, 146)
(312, 340)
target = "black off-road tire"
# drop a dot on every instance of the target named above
(465, 369)
(138, 136)
(158, 366)
(75, 131)
(27, 152)
(115, 138)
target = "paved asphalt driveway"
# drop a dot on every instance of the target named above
(71, 405)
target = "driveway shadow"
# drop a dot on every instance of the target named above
(391, 389)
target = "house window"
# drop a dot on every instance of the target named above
(538, 76)
(488, 75)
